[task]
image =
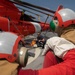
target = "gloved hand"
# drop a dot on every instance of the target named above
(46, 48)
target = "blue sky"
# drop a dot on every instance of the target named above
(51, 4)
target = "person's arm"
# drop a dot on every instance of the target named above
(59, 45)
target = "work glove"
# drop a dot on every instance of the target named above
(46, 48)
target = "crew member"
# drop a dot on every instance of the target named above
(63, 46)
(40, 41)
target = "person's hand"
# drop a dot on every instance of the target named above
(46, 48)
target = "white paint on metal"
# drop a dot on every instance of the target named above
(37, 26)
